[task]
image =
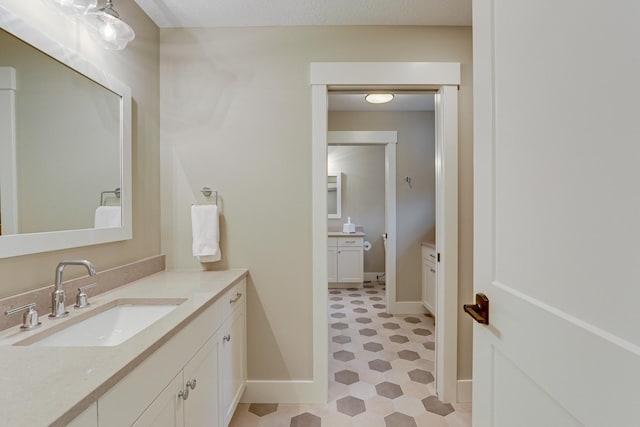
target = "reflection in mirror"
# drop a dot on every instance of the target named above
(334, 195)
(65, 141)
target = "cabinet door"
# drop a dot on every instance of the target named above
(430, 279)
(425, 273)
(167, 409)
(233, 365)
(201, 406)
(350, 265)
(332, 264)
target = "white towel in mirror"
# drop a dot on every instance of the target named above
(108, 216)
(206, 235)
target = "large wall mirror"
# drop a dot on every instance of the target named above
(334, 195)
(65, 146)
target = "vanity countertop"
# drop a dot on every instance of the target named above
(341, 234)
(52, 385)
(428, 245)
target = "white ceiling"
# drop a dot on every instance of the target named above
(401, 102)
(248, 13)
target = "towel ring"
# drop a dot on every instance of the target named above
(207, 191)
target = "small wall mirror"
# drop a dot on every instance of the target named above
(65, 146)
(334, 195)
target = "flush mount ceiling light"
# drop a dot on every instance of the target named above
(106, 25)
(378, 98)
(75, 7)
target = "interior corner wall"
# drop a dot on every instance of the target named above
(236, 115)
(138, 67)
(415, 203)
(362, 169)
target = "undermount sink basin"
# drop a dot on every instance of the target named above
(106, 326)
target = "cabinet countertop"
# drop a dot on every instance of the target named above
(52, 385)
(428, 245)
(341, 234)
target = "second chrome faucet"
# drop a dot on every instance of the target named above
(57, 296)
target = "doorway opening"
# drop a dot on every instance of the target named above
(443, 79)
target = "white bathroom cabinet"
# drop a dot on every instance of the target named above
(429, 276)
(211, 350)
(345, 260)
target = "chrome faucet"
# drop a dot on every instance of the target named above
(57, 296)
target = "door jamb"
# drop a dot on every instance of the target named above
(444, 77)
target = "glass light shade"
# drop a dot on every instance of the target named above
(74, 7)
(378, 98)
(107, 27)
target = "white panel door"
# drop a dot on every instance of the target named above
(557, 212)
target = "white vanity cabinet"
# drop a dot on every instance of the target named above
(345, 260)
(196, 378)
(429, 268)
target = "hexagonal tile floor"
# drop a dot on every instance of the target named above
(381, 374)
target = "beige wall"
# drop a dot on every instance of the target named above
(236, 115)
(136, 66)
(362, 170)
(415, 204)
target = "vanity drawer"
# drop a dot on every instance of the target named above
(350, 241)
(429, 254)
(233, 298)
(332, 242)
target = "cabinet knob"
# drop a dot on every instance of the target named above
(227, 338)
(184, 394)
(192, 384)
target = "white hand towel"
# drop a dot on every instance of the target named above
(107, 216)
(206, 235)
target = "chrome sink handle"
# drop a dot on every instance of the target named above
(29, 318)
(82, 298)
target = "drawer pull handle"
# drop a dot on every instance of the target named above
(432, 270)
(192, 384)
(227, 338)
(349, 241)
(432, 255)
(238, 296)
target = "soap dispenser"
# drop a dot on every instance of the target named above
(348, 227)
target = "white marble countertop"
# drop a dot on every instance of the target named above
(51, 385)
(428, 244)
(341, 234)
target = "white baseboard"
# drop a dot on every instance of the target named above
(373, 276)
(464, 391)
(407, 307)
(283, 392)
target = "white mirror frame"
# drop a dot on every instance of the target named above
(22, 244)
(338, 213)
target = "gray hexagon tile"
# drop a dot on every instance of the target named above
(368, 332)
(400, 339)
(433, 404)
(363, 320)
(341, 339)
(379, 365)
(347, 377)
(390, 325)
(412, 320)
(430, 345)
(337, 306)
(262, 409)
(372, 346)
(422, 331)
(343, 356)
(408, 355)
(389, 390)
(421, 376)
(350, 405)
(306, 420)
(339, 325)
(385, 315)
(360, 310)
(338, 315)
(398, 419)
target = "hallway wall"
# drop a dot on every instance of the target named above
(236, 115)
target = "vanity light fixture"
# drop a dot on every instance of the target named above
(379, 98)
(75, 7)
(108, 28)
